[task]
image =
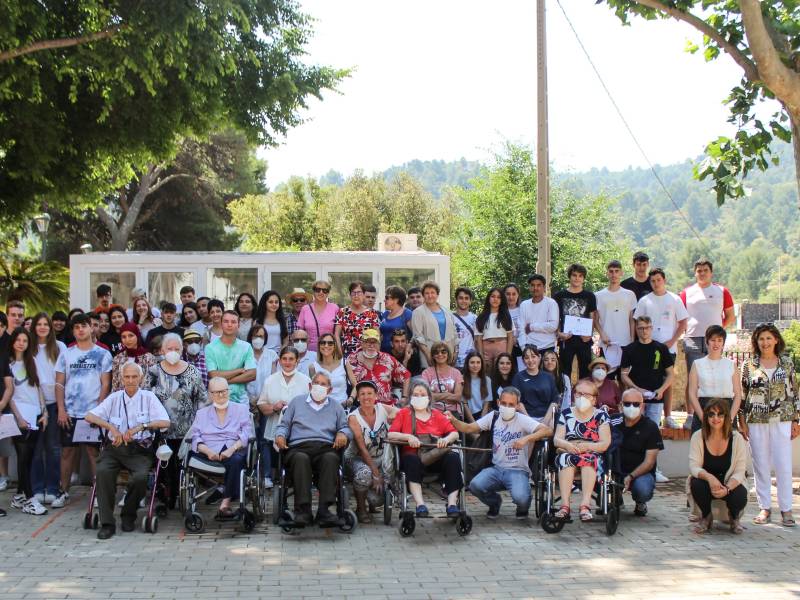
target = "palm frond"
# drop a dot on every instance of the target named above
(41, 286)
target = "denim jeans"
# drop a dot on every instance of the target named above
(46, 468)
(642, 488)
(485, 485)
(654, 411)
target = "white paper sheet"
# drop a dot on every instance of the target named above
(8, 426)
(31, 414)
(85, 433)
(577, 325)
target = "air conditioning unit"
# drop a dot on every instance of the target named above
(394, 242)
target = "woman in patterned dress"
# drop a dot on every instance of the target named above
(582, 435)
(352, 320)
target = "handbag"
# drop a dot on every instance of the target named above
(427, 456)
(478, 461)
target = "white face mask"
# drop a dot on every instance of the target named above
(288, 373)
(257, 343)
(172, 357)
(507, 412)
(583, 403)
(419, 402)
(221, 405)
(631, 412)
(193, 349)
(319, 392)
(370, 353)
(300, 346)
(599, 374)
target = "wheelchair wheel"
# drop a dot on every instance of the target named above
(350, 521)
(95, 520)
(87, 521)
(407, 526)
(150, 525)
(194, 523)
(183, 492)
(464, 525)
(277, 503)
(248, 521)
(161, 510)
(550, 524)
(612, 521)
(388, 501)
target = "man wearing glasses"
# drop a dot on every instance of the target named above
(317, 317)
(641, 442)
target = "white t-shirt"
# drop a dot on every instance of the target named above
(466, 340)
(46, 371)
(83, 370)
(504, 455)
(492, 329)
(665, 312)
(542, 319)
(24, 392)
(515, 321)
(706, 306)
(614, 312)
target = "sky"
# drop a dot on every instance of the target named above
(446, 79)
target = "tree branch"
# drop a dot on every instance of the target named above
(167, 179)
(750, 70)
(107, 220)
(779, 78)
(59, 43)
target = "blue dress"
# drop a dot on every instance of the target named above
(582, 431)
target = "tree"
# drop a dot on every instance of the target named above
(752, 271)
(75, 116)
(41, 286)
(762, 37)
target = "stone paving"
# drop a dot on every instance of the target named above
(656, 556)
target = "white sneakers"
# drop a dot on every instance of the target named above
(661, 478)
(18, 501)
(3, 483)
(687, 424)
(61, 501)
(29, 506)
(669, 423)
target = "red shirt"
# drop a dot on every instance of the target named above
(437, 425)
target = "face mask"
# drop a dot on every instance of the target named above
(193, 349)
(300, 346)
(630, 412)
(599, 374)
(319, 392)
(164, 453)
(507, 412)
(222, 405)
(419, 402)
(583, 403)
(288, 373)
(172, 357)
(257, 343)
(370, 353)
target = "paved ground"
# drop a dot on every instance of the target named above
(652, 557)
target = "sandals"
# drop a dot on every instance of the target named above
(586, 513)
(764, 517)
(704, 525)
(787, 520)
(736, 526)
(562, 514)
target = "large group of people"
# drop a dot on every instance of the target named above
(329, 385)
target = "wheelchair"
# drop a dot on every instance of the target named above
(154, 499)
(607, 493)
(199, 477)
(397, 492)
(284, 518)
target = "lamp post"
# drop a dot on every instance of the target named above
(43, 224)
(86, 248)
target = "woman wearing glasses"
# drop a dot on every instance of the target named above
(351, 321)
(717, 462)
(317, 317)
(329, 361)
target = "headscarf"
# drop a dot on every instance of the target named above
(140, 349)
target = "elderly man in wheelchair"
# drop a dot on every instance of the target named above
(312, 432)
(130, 416)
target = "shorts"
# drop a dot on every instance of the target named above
(68, 432)
(693, 349)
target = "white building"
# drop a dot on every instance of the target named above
(225, 275)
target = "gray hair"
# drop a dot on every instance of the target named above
(631, 392)
(172, 337)
(322, 374)
(510, 389)
(419, 382)
(219, 381)
(135, 365)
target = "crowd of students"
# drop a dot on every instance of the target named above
(416, 368)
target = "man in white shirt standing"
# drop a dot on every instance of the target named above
(465, 324)
(669, 318)
(538, 316)
(708, 304)
(614, 317)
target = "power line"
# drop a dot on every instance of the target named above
(630, 131)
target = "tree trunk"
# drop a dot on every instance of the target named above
(795, 121)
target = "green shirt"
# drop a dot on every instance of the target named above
(222, 357)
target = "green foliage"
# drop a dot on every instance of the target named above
(41, 286)
(791, 336)
(73, 120)
(730, 160)
(497, 241)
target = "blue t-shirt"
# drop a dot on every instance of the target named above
(82, 370)
(442, 321)
(389, 325)
(538, 392)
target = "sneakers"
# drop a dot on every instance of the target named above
(661, 478)
(121, 500)
(33, 507)
(50, 498)
(687, 424)
(268, 483)
(60, 501)
(640, 510)
(18, 501)
(452, 511)
(3, 483)
(493, 512)
(74, 479)
(39, 497)
(669, 423)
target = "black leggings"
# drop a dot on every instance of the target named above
(571, 349)
(449, 468)
(701, 492)
(172, 473)
(25, 446)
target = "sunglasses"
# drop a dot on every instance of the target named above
(715, 415)
(300, 340)
(295, 300)
(327, 343)
(321, 290)
(631, 404)
(440, 352)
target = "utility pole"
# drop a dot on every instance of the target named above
(542, 149)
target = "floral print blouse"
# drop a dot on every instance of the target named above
(769, 397)
(182, 395)
(353, 325)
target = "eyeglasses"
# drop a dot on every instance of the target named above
(643, 327)
(217, 392)
(715, 415)
(356, 293)
(440, 351)
(327, 343)
(298, 300)
(631, 404)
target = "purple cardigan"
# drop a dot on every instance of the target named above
(207, 430)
